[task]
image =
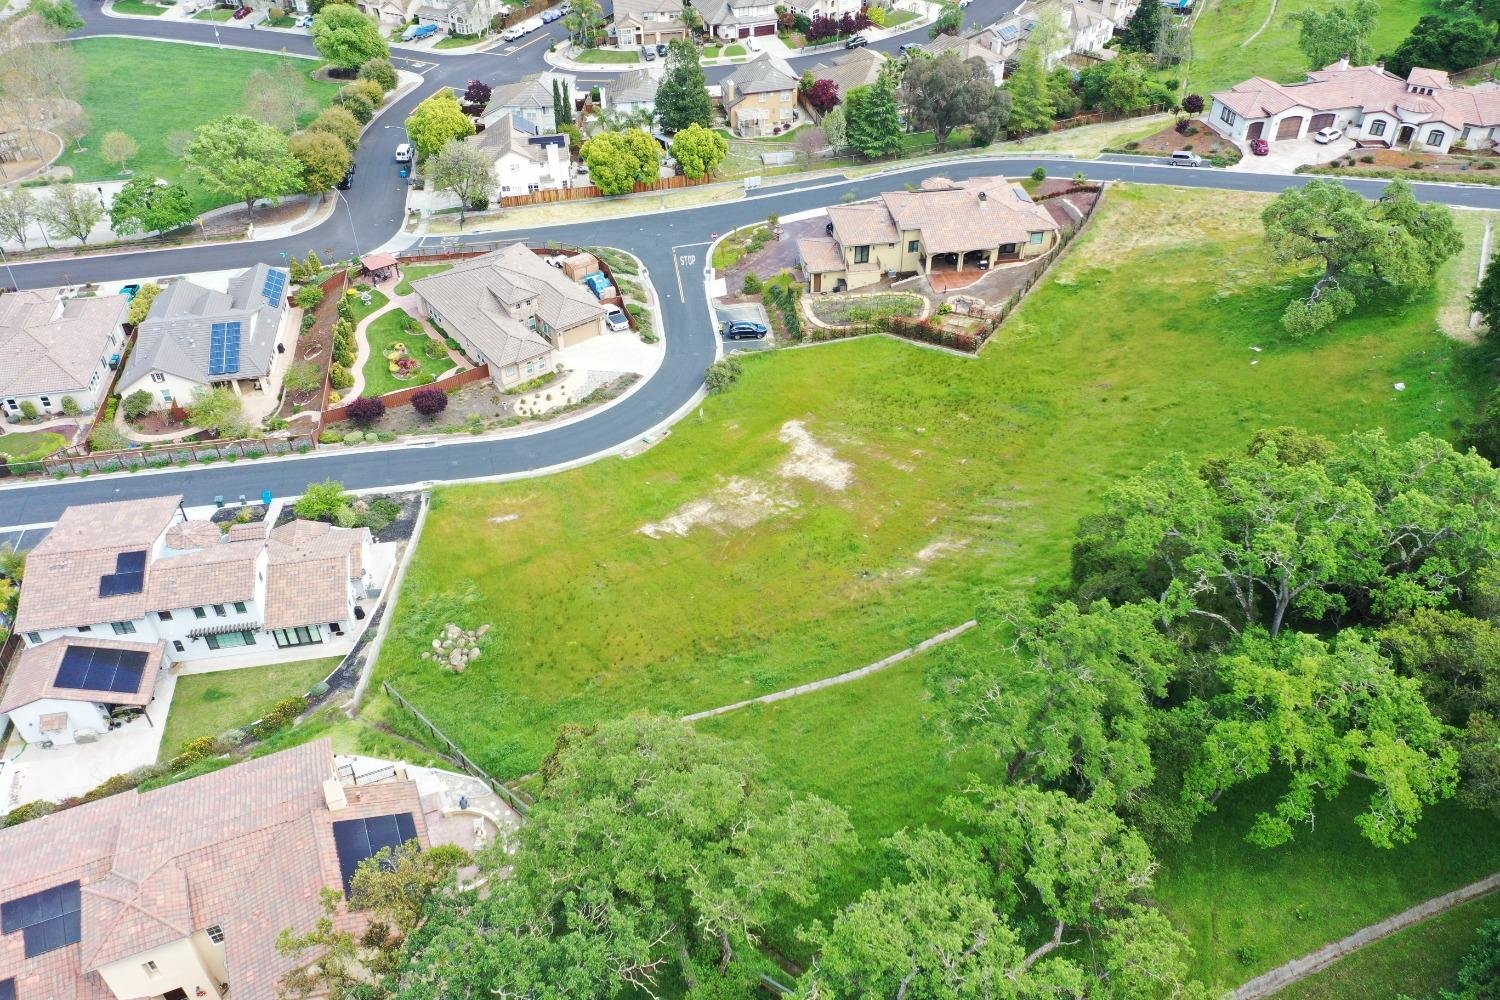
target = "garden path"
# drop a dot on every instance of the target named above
(362, 343)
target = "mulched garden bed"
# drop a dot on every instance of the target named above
(1359, 160)
(1204, 141)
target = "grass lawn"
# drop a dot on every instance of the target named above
(284, 21)
(150, 89)
(214, 14)
(1416, 962)
(962, 476)
(30, 446)
(377, 302)
(137, 7)
(896, 18)
(209, 704)
(609, 56)
(413, 272)
(458, 41)
(381, 334)
(1221, 59)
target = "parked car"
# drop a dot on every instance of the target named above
(403, 153)
(1186, 158)
(856, 41)
(648, 53)
(964, 3)
(616, 318)
(661, 48)
(548, 16)
(242, 12)
(417, 32)
(565, 7)
(743, 329)
(557, 260)
(1328, 135)
(909, 48)
(348, 180)
(305, 21)
(1260, 147)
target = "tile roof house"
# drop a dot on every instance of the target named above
(459, 17)
(858, 68)
(980, 221)
(648, 22)
(529, 99)
(1423, 112)
(1085, 27)
(54, 348)
(138, 570)
(511, 310)
(760, 97)
(195, 337)
(525, 162)
(67, 690)
(183, 891)
(732, 19)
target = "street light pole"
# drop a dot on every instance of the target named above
(353, 230)
(6, 260)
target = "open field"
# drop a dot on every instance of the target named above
(1220, 59)
(608, 56)
(1458, 280)
(150, 89)
(209, 704)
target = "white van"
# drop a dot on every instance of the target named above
(403, 153)
(1186, 158)
(512, 33)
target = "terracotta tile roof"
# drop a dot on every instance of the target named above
(48, 344)
(248, 848)
(62, 573)
(255, 530)
(968, 215)
(34, 671)
(316, 538)
(193, 535)
(1435, 78)
(1370, 89)
(820, 254)
(860, 225)
(217, 574)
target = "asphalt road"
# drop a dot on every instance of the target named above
(672, 244)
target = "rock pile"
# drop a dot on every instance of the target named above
(456, 647)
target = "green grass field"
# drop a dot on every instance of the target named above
(150, 89)
(209, 704)
(137, 7)
(609, 56)
(381, 334)
(377, 302)
(1416, 962)
(30, 446)
(1221, 59)
(414, 272)
(458, 41)
(214, 14)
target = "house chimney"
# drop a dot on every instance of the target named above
(1380, 65)
(1343, 62)
(333, 795)
(983, 196)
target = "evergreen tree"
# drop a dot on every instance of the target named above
(1485, 299)
(1142, 29)
(682, 99)
(874, 118)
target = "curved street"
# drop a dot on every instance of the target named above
(673, 245)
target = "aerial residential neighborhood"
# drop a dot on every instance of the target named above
(847, 499)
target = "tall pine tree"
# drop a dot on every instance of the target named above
(874, 118)
(682, 98)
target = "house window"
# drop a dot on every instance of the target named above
(1436, 137)
(215, 934)
(239, 607)
(166, 397)
(47, 403)
(85, 628)
(915, 246)
(1225, 115)
(158, 377)
(219, 611)
(862, 255)
(199, 613)
(164, 616)
(1378, 128)
(1036, 238)
(177, 645)
(288, 637)
(1464, 136)
(123, 628)
(335, 628)
(764, 98)
(151, 968)
(35, 638)
(230, 640)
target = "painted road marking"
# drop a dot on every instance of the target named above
(681, 260)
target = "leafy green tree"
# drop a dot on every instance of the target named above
(119, 149)
(1141, 30)
(243, 159)
(19, 212)
(321, 501)
(682, 96)
(1485, 299)
(147, 205)
(699, 150)
(140, 306)
(396, 884)
(71, 211)
(619, 160)
(338, 122)
(1322, 714)
(1479, 970)
(1396, 243)
(325, 160)
(464, 171)
(949, 22)
(1483, 432)
(60, 14)
(1441, 41)
(220, 411)
(381, 71)
(348, 38)
(1032, 108)
(279, 97)
(584, 21)
(873, 118)
(651, 848)
(836, 129)
(436, 122)
(330, 962)
(944, 93)
(1328, 34)
(1122, 84)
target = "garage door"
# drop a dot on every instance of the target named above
(1289, 128)
(1256, 130)
(765, 29)
(1320, 122)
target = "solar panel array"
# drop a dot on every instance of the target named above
(129, 576)
(224, 348)
(1009, 32)
(7, 989)
(357, 839)
(49, 919)
(275, 285)
(95, 668)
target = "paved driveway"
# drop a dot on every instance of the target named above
(1288, 154)
(755, 313)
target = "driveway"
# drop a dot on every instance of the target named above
(755, 313)
(1288, 154)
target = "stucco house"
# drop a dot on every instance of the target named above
(648, 22)
(54, 348)
(181, 892)
(511, 310)
(732, 19)
(633, 91)
(1424, 112)
(68, 690)
(1085, 27)
(944, 224)
(826, 8)
(140, 571)
(390, 13)
(529, 99)
(198, 338)
(760, 97)
(525, 161)
(459, 17)
(857, 68)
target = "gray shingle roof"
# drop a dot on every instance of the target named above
(534, 91)
(637, 86)
(176, 334)
(762, 76)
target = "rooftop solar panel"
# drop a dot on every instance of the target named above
(131, 562)
(115, 584)
(48, 920)
(224, 348)
(95, 668)
(358, 839)
(274, 286)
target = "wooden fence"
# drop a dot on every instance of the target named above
(401, 397)
(165, 453)
(590, 191)
(453, 753)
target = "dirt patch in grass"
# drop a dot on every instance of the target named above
(812, 460)
(738, 504)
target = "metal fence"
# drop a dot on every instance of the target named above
(517, 802)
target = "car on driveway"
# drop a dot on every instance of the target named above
(661, 48)
(1260, 147)
(1327, 135)
(743, 329)
(242, 13)
(648, 53)
(616, 318)
(305, 21)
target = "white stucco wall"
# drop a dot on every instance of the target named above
(171, 388)
(177, 966)
(81, 715)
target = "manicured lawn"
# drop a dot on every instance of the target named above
(458, 41)
(385, 331)
(609, 56)
(150, 89)
(30, 446)
(896, 18)
(214, 14)
(1416, 962)
(377, 302)
(137, 7)
(1220, 59)
(413, 272)
(210, 704)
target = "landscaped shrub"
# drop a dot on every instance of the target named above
(429, 402)
(752, 284)
(138, 404)
(366, 410)
(340, 377)
(141, 304)
(354, 437)
(370, 88)
(107, 437)
(70, 406)
(1039, 174)
(309, 297)
(381, 71)
(31, 810)
(1192, 104)
(330, 436)
(279, 717)
(320, 500)
(357, 103)
(722, 374)
(28, 409)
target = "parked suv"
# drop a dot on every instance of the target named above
(743, 329)
(856, 41)
(648, 53)
(1186, 158)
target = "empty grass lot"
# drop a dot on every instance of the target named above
(150, 89)
(210, 704)
(138, 7)
(30, 446)
(1221, 59)
(962, 476)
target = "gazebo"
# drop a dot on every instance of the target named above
(379, 267)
